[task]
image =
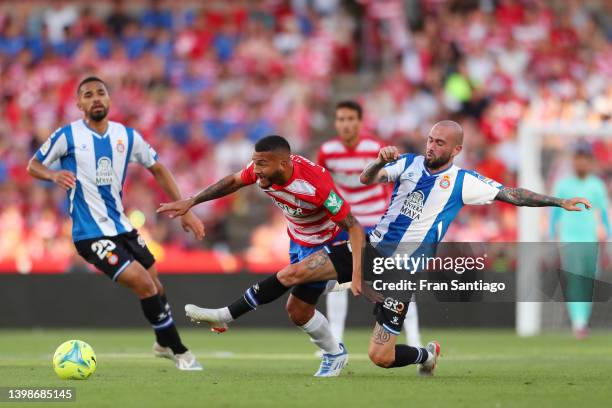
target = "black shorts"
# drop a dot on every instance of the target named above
(341, 257)
(112, 255)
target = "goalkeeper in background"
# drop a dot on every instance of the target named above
(580, 232)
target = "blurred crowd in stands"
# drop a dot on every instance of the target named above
(203, 80)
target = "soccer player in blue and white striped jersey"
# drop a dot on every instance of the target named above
(93, 155)
(428, 193)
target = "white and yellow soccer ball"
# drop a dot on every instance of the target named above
(74, 360)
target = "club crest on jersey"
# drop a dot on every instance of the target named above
(104, 171)
(413, 205)
(120, 146)
(445, 182)
(333, 203)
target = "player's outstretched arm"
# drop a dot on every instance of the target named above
(166, 181)
(221, 188)
(527, 198)
(356, 239)
(374, 172)
(63, 178)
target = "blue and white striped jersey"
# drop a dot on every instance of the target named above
(423, 205)
(100, 165)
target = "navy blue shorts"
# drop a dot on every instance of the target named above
(309, 292)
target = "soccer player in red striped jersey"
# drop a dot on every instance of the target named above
(345, 156)
(315, 212)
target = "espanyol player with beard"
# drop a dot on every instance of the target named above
(345, 157)
(428, 193)
(316, 213)
(93, 154)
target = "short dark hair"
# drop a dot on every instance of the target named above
(352, 105)
(271, 143)
(90, 79)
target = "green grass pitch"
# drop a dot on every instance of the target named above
(269, 368)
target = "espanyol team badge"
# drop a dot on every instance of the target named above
(120, 146)
(445, 182)
(112, 258)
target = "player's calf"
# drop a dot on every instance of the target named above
(299, 311)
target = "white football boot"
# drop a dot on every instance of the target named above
(187, 362)
(332, 364)
(163, 352)
(210, 316)
(427, 368)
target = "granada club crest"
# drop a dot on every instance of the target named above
(445, 182)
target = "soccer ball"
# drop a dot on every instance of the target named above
(74, 360)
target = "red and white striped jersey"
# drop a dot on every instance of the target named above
(368, 203)
(310, 201)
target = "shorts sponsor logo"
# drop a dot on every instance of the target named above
(393, 305)
(333, 202)
(413, 205)
(141, 241)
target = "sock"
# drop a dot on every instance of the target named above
(164, 301)
(320, 334)
(405, 355)
(337, 305)
(411, 324)
(579, 313)
(163, 325)
(260, 293)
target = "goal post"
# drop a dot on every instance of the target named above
(530, 176)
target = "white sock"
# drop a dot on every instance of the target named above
(411, 325)
(224, 315)
(320, 334)
(337, 305)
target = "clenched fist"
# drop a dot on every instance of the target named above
(388, 154)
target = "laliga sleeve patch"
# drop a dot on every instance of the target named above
(333, 203)
(44, 149)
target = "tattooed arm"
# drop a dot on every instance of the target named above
(527, 198)
(374, 172)
(221, 188)
(356, 240)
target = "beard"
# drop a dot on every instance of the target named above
(98, 115)
(437, 162)
(274, 178)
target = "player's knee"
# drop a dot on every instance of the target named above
(381, 357)
(298, 313)
(144, 287)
